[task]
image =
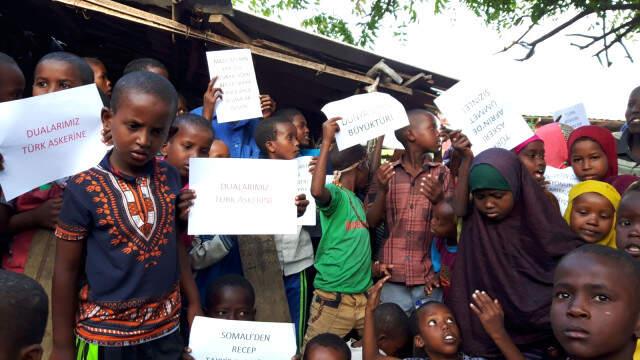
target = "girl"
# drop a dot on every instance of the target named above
(591, 212)
(555, 137)
(592, 153)
(531, 153)
(510, 243)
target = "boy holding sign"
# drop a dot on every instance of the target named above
(343, 259)
(118, 269)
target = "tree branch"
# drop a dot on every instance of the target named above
(617, 40)
(595, 39)
(517, 41)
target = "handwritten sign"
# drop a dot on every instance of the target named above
(304, 187)
(237, 79)
(365, 117)
(483, 117)
(48, 137)
(217, 339)
(574, 116)
(560, 183)
(243, 196)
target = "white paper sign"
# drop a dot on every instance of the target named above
(575, 116)
(237, 79)
(560, 183)
(365, 117)
(243, 196)
(483, 117)
(304, 187)
(48, 137)
(217, 339)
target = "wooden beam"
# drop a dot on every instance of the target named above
(132, 14)
(229, 25)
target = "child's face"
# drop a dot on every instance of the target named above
(12, 83)
(628, 227)
(100, 77)
(590, 310)
(231, 303)
(52, 75)
(439, 333)
(318, 352)
(443, 222)
(139, 129)
(425, 131)
(302, 131)
(189, 142)
(633, 111)
(532, 157)
(285, 146)
(591, 217)
(219, 150)
(588, 160)
(494, 204)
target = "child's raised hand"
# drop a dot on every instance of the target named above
(373, 294)
(329, 129)
(431, 284)
(312, 164)
(185, 202)
(489, 312)
(301, 204)
(431, 187)
(384, 174)
(268, 105)
(46, 215)
(460, 143)
(211, 96)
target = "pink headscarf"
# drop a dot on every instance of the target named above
(524, 144)
(555, 137)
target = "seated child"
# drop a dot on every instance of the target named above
(444, 246)
(24, 308)
(231, 297)
(39, 208)
(146, 64)
(100, 76)
(219, 150)
(327, 347)
(595, 311)
(592, 153)
(591, 212)
(628, 224)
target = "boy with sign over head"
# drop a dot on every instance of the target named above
(118, 269)
(343, 258)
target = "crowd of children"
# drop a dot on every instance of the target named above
(468, 257)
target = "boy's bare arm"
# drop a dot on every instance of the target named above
(44, 216)
(318, 191)
(188, 285)
(370, 349)
(64, 297)
(376, 212)
(462, 145)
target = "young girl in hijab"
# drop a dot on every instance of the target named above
(531, 153)
(591, 212)
(555, 137)
(510, 244)
(592, 153)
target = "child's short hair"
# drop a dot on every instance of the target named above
(24, 307)
(288, 113)
(341, 160)
(415, 316)
(192, 120)
(328, 340)
(7, 60)
(81, 66)
(230, 281)
(634, 187)
(389, 318)
(143, 64)
(266, 130)
(147, 83)
(401, 134)
(93, 61)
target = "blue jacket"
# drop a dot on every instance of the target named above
(237, 135)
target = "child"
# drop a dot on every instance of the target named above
(327, 347)
(343, 258)
(628, 224)
(219, 150)
(146, 64)
(100, 76)
(531, 153)
(24, 308)
(12, 81)
(408, 190)
(276, 138)
(231, 297)
(629, 142)
(192, 139)
(591, 212)
(118, 269)
(592, 153)
(300, 122)
(595, 312)
(510, 241)
(39, 208)
(444, 246)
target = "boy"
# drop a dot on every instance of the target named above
(276, 138)
(408, 190)
(100, 76)
(23, 310)
(327, 347)
(146, 64)
(343, 258)
(628, 143)
(219, 150)
(12, 81)
(444, 247)
(299, 121)
(117, 238)
(595, 311)
(231, 297)
(192, 138)
(628, 222)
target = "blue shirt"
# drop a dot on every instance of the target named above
(237, 135)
